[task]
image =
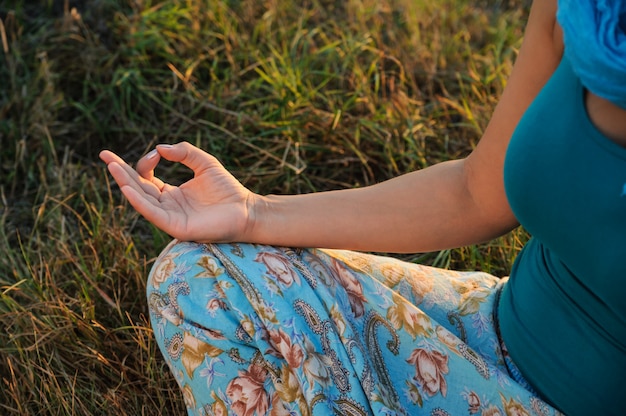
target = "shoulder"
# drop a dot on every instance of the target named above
(543, 27)
(538, 57)
(541, 50)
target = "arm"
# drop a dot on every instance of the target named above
(446, 205)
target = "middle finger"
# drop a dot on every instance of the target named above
(129, 176)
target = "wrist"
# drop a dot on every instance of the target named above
(257, 207)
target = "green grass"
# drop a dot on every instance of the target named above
(292, 96)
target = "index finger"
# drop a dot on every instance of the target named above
(147, 164)
(189, 155)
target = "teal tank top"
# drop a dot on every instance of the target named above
(562, 314)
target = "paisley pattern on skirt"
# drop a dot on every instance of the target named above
(258, 330)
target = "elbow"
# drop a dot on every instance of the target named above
(484, 187)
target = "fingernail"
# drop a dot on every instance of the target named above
(152, 154)
(165, 146)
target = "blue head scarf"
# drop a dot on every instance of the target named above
(594, 33)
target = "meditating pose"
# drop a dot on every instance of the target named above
(250, 327)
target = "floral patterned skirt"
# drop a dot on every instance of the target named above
(258, 330)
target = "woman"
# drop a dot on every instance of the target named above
(259, 329)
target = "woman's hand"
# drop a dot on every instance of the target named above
(211, 207)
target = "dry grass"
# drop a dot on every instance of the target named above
(293, 96)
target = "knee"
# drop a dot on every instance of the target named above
(168, 279)
(163, 267)
(186, 283)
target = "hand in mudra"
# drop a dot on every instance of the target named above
(211, 207)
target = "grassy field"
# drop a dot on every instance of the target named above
(292, 96)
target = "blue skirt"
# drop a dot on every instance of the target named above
(259, 330)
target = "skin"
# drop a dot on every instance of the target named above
(446, 205)
(607, 117)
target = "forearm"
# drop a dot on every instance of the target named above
(422, 211)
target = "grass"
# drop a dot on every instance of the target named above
(292, 96)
